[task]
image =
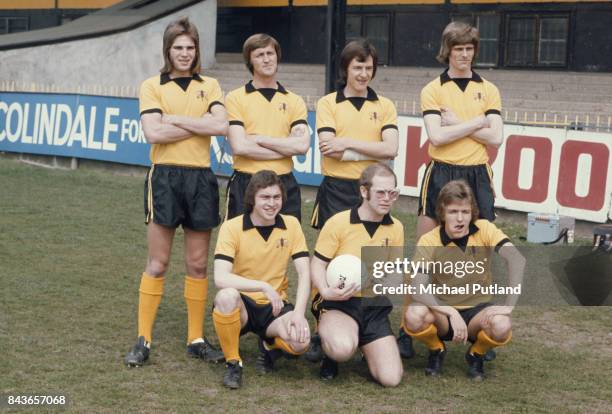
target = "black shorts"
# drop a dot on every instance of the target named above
(371, 315)
(478, 177)
(315, 306)
(467, 315)
(236, 187)
(260, 316)
(186, 196)
(334, 195)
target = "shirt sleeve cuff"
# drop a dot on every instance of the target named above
(224, 257)
(500, 244)
(299, 254)
(151, 111)
(326, 129)
(320, 256)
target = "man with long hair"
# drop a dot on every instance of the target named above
(463, 311)
(462, 116)
(180, 109)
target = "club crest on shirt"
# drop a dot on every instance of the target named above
(479, 96)
(282, 107)
(201, 95)
(373, 116)
(282, 242)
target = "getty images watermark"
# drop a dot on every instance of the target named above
(474, 272)
(537, 276)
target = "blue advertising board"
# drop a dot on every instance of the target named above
(106, 129)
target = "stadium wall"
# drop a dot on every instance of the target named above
(542, 170)
(120, 60)
(411, 35)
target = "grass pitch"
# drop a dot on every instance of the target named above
(72, 248)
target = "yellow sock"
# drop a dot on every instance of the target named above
(484, 343)
(196, 291)
(280, 344)
(151, 291)
(429, 336)
(227, 326)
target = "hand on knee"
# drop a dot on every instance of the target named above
(297, 348)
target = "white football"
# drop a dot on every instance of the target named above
(344, 270)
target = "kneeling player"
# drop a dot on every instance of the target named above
(251, 258)
(468, 315)
(347, 320)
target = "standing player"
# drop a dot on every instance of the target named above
(462, 115)
(251, 260)
(356, 127)
(469, 316)
(346, 321)
(180, 110)
(267, 126)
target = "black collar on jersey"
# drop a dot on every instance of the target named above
(355, 219)
(444, 77)
(460, 242)
(182, 82)
(372, 96)
(165, 78)
(357, 101)
(267, 93)
(247, 224)
(462, 83)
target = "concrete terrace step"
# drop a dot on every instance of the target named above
(282, 75)
(504, 74)
(551, 92)
(596, 88)
(531, 90)
(225, 59)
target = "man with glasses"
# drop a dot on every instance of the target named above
(356, 127)
(347, 320)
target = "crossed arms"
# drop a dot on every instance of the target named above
(446, 128)
(161, 128)
(261, 147)
(352, 149)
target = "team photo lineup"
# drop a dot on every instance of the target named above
(261, 226)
